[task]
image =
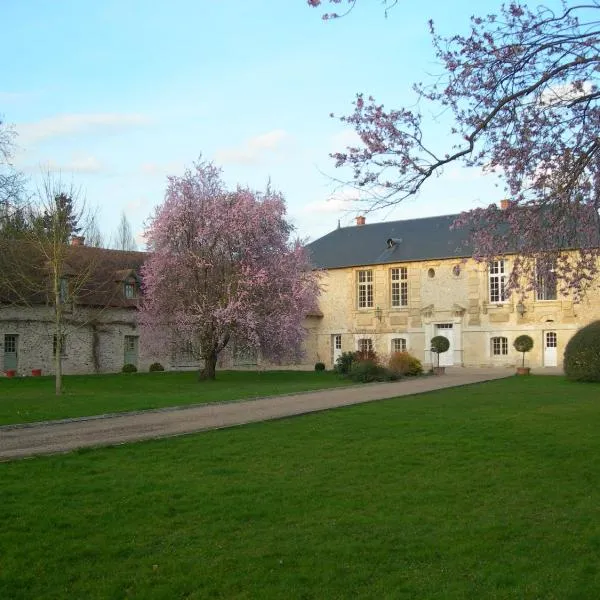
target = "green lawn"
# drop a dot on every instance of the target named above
(28, 399)
(485, 491)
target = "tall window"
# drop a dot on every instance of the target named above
(499, 346)
(546, 280)
(497, 275)
(365, 289)
(337, 342)
(365, 345)
(399, 280)
(63, 290)
(399, 345)
(62, 345)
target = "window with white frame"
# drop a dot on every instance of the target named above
(399, 286)
(365, 288)
(337, 341)
(399, 345)
(546, 279)
(365, 345)
(499, 346)
(497, 281)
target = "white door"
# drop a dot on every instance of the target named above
(446, 358)
(550, 343)
(336, 345)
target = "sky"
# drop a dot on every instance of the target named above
(114, 95)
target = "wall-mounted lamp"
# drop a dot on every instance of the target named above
(378, 314)
(521, 310)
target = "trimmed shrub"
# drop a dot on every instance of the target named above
(439, 345)
(523, 343)
(129, 368)
(366, 371)
(344, 362)
(319, 366)
(582, 354)
(403, 364)
(156, 367)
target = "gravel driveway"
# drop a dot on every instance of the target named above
(19, 441)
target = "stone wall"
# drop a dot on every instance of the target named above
(445, 293)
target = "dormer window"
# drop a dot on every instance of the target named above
(130, 290)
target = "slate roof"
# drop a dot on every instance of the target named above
(413, 240)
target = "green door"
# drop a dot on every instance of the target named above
(131, 349)
(11, 343)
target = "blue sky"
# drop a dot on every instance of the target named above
(117, 94)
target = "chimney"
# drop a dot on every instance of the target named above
(505, 203)
(78, 240)
(360, 221)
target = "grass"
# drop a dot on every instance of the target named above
(29, 399)
(485, 491)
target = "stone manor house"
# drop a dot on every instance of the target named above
(393, 286)
(384, 286)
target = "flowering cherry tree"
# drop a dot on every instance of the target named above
(522, 87)
(223, 270)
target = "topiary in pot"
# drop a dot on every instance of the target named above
(439, 344)
(523, 344)
(319, 366)
(582, 354)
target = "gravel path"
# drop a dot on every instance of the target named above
(19, 441)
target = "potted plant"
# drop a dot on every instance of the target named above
(439, 344)
(10, 372)
(523, 343)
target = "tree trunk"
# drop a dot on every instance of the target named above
(210, 367)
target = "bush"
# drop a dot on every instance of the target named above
(523, 343)
(156, 367)
(362, 355)
(344, 362)
(319, 366)
(403, 363)
(440, 344)
(582, 354)
(129, 368)
(366, 371)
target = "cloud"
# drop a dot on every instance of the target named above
(255, 149)
(342, 139)
(567, 92)
(77, 124)
(161, 169)
(79, 164)
(340, 201)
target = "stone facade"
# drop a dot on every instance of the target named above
(448, 297)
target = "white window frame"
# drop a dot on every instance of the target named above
(337, 341)
(544, 287)
(366, 341)
(399, 287)
(403, 342)
(364, 288)
(499, 343)
(497, 281)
